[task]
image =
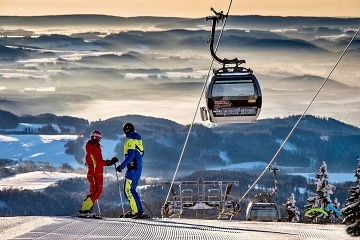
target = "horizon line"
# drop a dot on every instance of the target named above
(155, 16)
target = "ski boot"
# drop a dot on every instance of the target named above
(127, 215)
(87, 214)
(141, 215)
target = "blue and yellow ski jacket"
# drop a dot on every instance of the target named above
(133, 152)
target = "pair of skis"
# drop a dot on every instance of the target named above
(88, 215)
(98, 215)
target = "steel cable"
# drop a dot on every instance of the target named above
(197, 107)
(302, 115)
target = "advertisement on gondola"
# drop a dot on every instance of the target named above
(224, 107)
(237, 111)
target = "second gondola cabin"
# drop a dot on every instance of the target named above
(232, 97)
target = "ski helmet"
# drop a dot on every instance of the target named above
(128, 127)
(96, 135)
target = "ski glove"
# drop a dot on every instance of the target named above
(112, 161)
(118, 169)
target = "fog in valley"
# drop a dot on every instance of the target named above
(98, 67)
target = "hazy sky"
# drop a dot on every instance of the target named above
(181, 8)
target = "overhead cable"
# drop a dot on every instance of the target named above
(197, 107)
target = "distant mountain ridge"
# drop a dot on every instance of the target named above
(157, 66)
(314, 140)
(245, 20)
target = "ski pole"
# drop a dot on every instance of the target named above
(117, 179)
(147, 207)
(98, 206)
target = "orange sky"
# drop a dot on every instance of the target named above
(181, 8)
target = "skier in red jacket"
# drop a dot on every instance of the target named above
(95, 164)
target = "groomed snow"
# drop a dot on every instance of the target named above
(11, 227)
(40, 227)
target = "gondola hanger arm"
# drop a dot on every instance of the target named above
(219, 16)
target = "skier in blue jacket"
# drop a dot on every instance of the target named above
(133, 153)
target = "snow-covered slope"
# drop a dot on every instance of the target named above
(35, 227)
(45, 148)
(35, 180)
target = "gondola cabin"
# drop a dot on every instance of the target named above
(232, 97)
(264, 212)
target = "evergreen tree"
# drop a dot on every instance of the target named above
(293, 213)
(334, 216)
(321, 200)
(8, 120)
(351, 209)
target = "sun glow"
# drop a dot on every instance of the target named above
(181, 8)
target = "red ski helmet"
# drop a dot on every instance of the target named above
(96, 135)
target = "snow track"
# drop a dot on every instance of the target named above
(116, 228)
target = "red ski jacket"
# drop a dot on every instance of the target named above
(93, 158)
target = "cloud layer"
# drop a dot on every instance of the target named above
(95, 66)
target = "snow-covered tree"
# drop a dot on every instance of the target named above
(293, 213)
(321, 200)
(335, 215)
(351, 209)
